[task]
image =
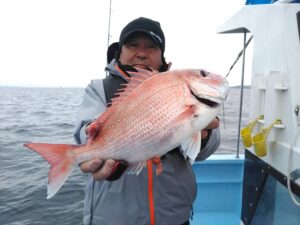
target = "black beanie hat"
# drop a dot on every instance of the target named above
(150, 27)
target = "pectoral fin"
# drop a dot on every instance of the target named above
(191, 147)
(186, 114)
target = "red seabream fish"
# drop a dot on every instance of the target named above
(155, 113)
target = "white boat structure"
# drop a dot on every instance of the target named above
(261, 187)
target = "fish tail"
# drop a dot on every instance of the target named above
(61, 159)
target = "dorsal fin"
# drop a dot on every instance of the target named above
(133, 82)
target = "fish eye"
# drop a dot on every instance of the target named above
(204, 73)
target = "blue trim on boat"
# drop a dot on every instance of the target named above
(219, 190)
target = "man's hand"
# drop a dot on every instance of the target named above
(98, 168)
(110, 169)
(213, 125)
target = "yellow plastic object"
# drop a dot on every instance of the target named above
(246, 132)
(259, 140)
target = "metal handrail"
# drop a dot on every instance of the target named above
(242, 92)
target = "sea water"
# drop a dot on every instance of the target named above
(49, 115)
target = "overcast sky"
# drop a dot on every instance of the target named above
(62, 43)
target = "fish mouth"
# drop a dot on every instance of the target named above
(206, 101)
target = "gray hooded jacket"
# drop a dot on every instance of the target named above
(125, 201)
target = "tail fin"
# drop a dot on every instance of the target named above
(61, 160)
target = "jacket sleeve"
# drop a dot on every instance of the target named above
(211, 145)
(92, 106)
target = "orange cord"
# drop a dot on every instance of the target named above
(121, 71)
(150, 192)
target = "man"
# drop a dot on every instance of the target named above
(116, 199)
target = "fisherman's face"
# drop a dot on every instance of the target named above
(141, 51)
